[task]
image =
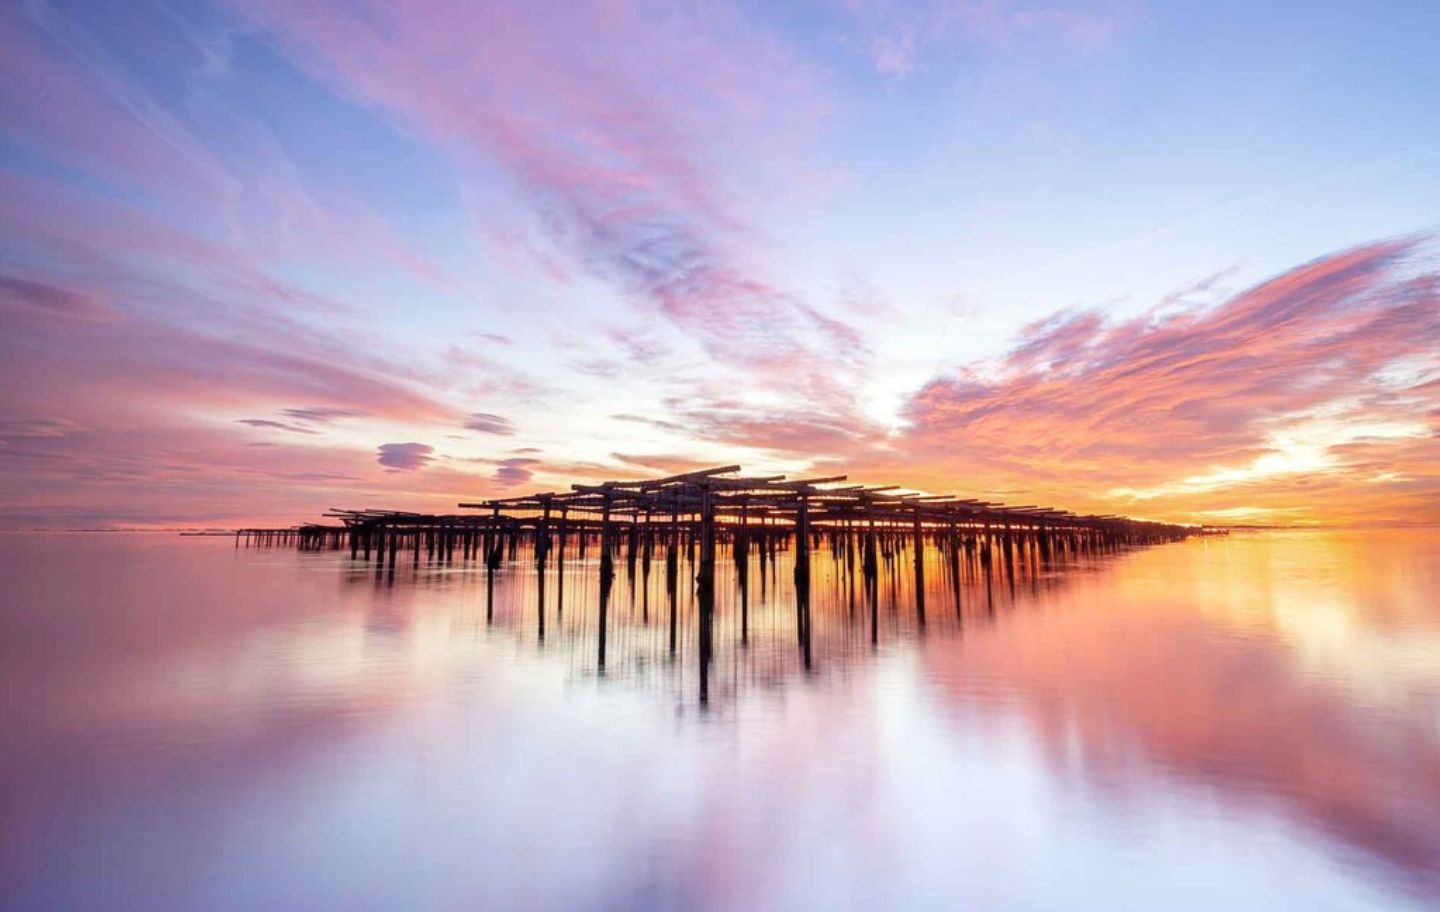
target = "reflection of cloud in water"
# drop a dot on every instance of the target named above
(1270, 669)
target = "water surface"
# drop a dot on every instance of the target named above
(1249, 722)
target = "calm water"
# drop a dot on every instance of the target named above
(1243, 723)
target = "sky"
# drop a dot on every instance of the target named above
(267, 258)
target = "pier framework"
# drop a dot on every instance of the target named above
(705, 513)
(710, 508)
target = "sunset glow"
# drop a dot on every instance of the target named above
(262, 259)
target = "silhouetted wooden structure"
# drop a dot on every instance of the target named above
(711, 507)
(700, 513)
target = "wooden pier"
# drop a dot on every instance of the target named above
(709, 509)
(703, 515)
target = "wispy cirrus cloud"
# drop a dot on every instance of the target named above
(23, 428)
(276, 425)
(486, 423)
(613, 121)
(897, 34)
(28, 298)
(322, 415)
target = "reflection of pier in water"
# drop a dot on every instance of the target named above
(740, 582)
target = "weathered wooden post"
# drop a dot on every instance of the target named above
(954, 545)
(607, 575)
(705, 579)
(542, 548)
(672, 569)
(632, 542)
(741, 543)
(802, 575)
(647, 542)
(872, 580)
(560, 568)
(918, 536)
(1009, 557)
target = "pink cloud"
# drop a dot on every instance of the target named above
(158, 363)
(1335, 359)
(166, 471)
(817, 428)
(622, 124)
(1344, 346)
(1198, 378)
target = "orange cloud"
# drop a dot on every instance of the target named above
(1312, 396)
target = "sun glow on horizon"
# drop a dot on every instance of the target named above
(1303, 449)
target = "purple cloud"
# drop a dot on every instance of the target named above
(486, 423)
(19, 428)
(27, 297)
(511, 472)
(404, 457)
(276, 425)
